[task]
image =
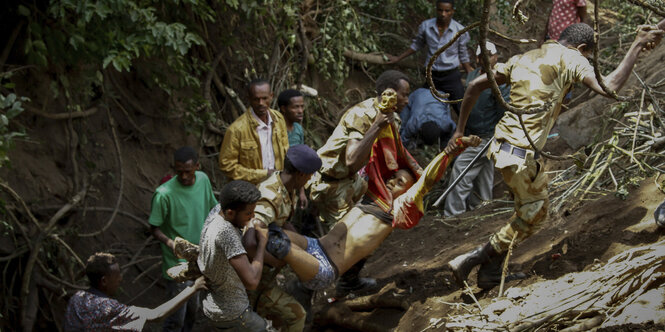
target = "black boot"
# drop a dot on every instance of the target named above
(659, 215)
(463, 264)
(351, 281)
(489, 274)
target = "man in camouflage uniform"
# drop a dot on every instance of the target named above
(337, 187)
(540, 76)
(276, 205)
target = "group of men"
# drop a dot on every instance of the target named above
(270, 170)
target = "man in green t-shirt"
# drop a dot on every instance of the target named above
(179, 208)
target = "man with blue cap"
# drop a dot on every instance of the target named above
(279, 193)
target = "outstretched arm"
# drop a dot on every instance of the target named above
(647, 38)
(170, 306)
(408, 208)
(395, 59)
(139, 315)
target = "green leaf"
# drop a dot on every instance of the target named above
(107, 60)
(10, 99)
(23, 10)
(15, 110)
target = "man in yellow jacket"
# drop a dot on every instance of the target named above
(255, 143)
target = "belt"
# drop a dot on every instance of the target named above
(443, 73)
(516, 151)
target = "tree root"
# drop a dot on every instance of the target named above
(381, 300)
(61, 116)
(119, 199)
(341, 315)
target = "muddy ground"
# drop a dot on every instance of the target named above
(59, 157)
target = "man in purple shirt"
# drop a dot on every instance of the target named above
(94, 310)
(433, 34)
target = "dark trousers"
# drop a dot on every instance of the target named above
(185, 317)
(450, 83)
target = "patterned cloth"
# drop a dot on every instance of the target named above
(529, 187)
(226, 298)
(240, 156)
(564, 13)
(408, 208)
(276, 204)
(353, 125)
(327, 273)
(537, 76)
(92, 310)
(428, 36)
(279, 307)
(333, 199)
(333, 191)
(542, 75)
(387, 157)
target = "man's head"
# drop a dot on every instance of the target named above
(400, 182)
(103, 272)
(237, 200)
(494, 55)
(444, 11)
(397, 81)
(301, 162)
(185, 164)
(580, 36)
(292, 103)
(430, 133)
(260, 96)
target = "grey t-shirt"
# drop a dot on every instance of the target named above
(221, 241)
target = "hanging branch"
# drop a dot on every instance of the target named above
(37, 244)
(428, 73)
(61, 116)
(119, 199)
(517, 13)
(514, 40)
(596, 68)
(647, 6)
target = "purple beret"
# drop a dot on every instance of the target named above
(303, 158)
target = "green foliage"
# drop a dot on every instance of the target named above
(10, 107)
(362, 26)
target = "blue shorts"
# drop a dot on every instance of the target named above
(327, 272)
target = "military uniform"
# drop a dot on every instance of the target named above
(276, 206)
(333, 190)
(536, 77)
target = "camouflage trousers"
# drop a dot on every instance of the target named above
(272, 303)
(334, 198)
(528, 183)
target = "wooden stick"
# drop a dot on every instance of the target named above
(504, 269)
